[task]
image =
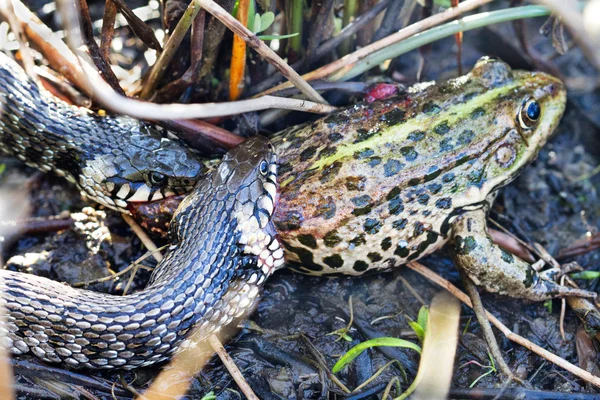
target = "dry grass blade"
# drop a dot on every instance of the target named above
(439, 348)
(234, 371)
(139, 231)
(553, 358)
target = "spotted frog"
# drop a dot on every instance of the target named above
(378, 185)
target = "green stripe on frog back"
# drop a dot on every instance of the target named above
(421, 122)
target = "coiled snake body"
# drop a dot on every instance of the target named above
(222, 249)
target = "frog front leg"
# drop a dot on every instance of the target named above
(496, 270)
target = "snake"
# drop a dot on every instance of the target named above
(223, 243)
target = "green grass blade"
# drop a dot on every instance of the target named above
(359, 348)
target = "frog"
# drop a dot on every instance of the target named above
(378, 185)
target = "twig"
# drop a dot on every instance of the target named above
(411, 30)
(136, 263)
(486, 329)
(261, 48)
(235, 372)
(144, 110)
(561, 362)
(137, 229)
(164, 60)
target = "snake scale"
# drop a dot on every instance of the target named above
(223, 243)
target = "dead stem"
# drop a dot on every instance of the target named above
(234, 371)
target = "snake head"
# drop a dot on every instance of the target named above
(250, 171)
(147, 167)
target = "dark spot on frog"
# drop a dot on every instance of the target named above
(327, 210)
(399, 224)
(444, 203)
(308, 240)
(305, 256)
(395, 204)
(424, 245)
(335, 137)
(478, 112)
(360, 266)
(422, 197)
(419, 229)
(363, 204)
(446, 145)
(291, 220)
(465, 245)
(374, 257)
(363, 134)
(330, 171)
(434, 188)
(386, 243)
(442, 128)
(392, 167)
(284, 168)
(365, 153)
(308, 153)
(374, 161)
(356, 183)
(475, 177)
(416, 136)
(409, 153)
(434, 172)
(507, 257)
(431, 108)
(426, 213)
(331, 238)
(334, 261)
(335, 119)
(465, 137)
(414, 182)
(402, 249)
(328, 151)
(358, 240)
(394, 117)
(372, 226)
(447, 178)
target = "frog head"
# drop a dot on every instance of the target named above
(527, 108)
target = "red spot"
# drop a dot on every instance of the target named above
(381, 91)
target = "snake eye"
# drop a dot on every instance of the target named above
(264, 167)
(529, 113)
(157, 179)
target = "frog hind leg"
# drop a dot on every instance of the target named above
(496, 270)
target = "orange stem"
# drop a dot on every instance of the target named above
(238, 55)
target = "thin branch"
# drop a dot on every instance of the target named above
(234, 371)
(164, 60)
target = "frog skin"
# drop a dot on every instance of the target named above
(378, 185)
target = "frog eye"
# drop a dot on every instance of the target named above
(157, 179)
(529, 113)
(264, 167)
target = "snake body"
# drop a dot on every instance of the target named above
(222, 247)
(114, 160)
